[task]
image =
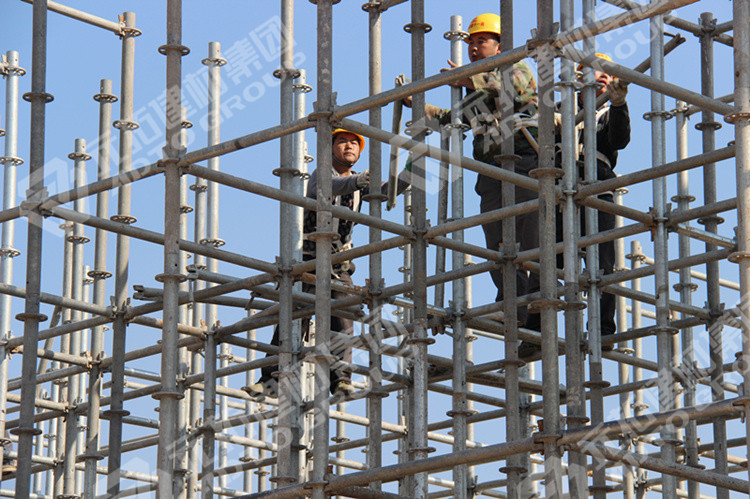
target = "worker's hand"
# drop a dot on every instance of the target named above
(466, 82)
(407, 101)
(617, 90)
(363, 179)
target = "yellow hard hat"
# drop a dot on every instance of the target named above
(359, 137)
(600, 55)
(485, 23)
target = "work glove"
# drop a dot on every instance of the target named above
(617, 90)
(363, 179)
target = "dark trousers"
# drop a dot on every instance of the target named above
(606, 221)
(606, 264)
(338, 324)
(527, 233)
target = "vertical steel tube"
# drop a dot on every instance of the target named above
(637, 257)
(708, 127)
(574, 357)
(299, 187)
(181, 442)
(323, 248)
(460, 405)
(516, 467)
(183, 357)
(209, 416)
(77, 239)
(52, 442)
(621, 319)
(10, 161)
(63, 391)
(374, 320)
(105, 98)
(172, 275)
(664, 333)
(196, 360)
(596, 382)
(288, 429)
(685, 288)
(31, 315)
(214, 63)
(741, 9)
(418, 338)
(548, 305)
(119, 327)
(39, 452)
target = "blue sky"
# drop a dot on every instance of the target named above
(80, 55)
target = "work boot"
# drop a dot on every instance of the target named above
(9, 468)
(262, 388)
(343, 387)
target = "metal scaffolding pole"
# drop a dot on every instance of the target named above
(324, 234)
(126, 125)
(685, 288)
(741, 120)
(596, 382)
(375, 198)
(11, 71)
(624, 375)
(63, 392)
(574, 358)
(708, 127)
(99, 274)
(300, 88)
(517, 467)
(77, 239)
(31, 316)
(214, 62)
(462, 481)
(168, 393)
(288, 431)
(549, 303)
(418, 339)
(658, 116)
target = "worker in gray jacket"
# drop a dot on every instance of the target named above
(348, 189)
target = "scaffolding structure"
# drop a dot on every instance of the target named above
(559, 438)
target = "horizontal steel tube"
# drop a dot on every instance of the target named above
(245, 141)
(101, 186)
(81, 16)
(441, 154)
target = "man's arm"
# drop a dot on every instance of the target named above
(340, 185)
(618, 127)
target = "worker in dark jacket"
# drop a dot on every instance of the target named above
(480, 109)
(612, 135)
(348, 189)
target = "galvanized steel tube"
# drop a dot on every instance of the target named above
(31, 316)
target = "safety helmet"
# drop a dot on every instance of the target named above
(359, 137)
(600, 55)
(485, 23)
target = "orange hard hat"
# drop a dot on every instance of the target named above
(359, 137)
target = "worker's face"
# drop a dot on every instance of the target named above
(346, 148)
(483, 45)
(603, 80)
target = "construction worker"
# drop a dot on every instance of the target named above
(349, 187)
(480, 110)
(612, 135)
